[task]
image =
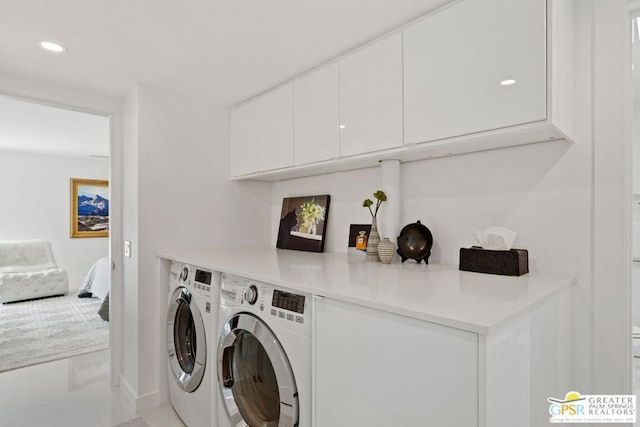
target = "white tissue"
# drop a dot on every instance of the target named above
(496, 238)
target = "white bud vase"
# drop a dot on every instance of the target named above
(386, 251)
(372, 242)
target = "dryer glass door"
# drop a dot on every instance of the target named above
(256, 380)
(186, 340)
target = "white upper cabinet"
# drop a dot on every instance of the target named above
(472, 75)
(244, 139)
(460, 61)
(371, 98)
(276, 129)
(316, 106)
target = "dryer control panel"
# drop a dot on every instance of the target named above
(288, 301)
(273, 303)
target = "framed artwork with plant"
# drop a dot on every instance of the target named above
(303, 223)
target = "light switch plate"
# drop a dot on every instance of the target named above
(127, 248)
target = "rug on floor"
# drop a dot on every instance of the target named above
(49, 329)
(138, 422)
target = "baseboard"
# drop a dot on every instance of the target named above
(139, 403)
(127, 392)
(148, 401)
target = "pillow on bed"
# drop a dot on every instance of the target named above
(104, 309)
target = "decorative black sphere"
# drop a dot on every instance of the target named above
(415, 241)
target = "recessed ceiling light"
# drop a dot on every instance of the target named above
(342, 126)
(52, 47)
(508, 82)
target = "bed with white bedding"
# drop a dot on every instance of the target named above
(96, 285)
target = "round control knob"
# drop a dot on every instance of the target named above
(251, 294)
(184, 273)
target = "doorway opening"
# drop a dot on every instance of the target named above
(43, 147)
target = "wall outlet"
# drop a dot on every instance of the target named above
(127, 248)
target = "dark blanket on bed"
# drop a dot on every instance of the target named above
(104, 309)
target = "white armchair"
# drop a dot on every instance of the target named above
(28, 270)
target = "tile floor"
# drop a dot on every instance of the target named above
(74, 392)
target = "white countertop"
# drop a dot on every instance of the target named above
(436, 293)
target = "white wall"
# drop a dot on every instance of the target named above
(635, 274)
(636, 185)
(611, 127)
(128, 298)
(636, 138)
(540, 190)
(636, 200)
(36, 205)
(185, 201)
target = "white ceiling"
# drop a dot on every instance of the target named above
(36, 128)
(229, 50)
(226, 50)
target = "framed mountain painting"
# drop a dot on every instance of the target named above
(89, 208)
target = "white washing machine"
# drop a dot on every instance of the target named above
(264, 355)
(191, 318)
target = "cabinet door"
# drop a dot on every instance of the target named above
(456, 59)
(244, 139)
(371, 98)
(276, 129)
(316, 108)
(377, 369)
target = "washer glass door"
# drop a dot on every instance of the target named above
(186, 340)
(255, 377)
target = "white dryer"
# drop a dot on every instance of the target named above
(264, 355)
(191, 318)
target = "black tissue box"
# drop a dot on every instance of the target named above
(514, 262)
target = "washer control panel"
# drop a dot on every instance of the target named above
(288, 308)
(194, 277)
(202, 279)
